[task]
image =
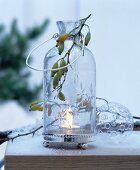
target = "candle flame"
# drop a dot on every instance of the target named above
(69, 119)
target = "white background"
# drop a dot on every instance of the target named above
(115, 28)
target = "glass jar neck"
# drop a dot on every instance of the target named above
(72, 27)
(68, 26)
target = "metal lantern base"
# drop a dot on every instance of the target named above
(66, 145)
(68, 141)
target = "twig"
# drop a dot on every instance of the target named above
(67, 54)
(4, 136)
(32, 132)
(8, 138)
(82, 20)
(25, 134)
(136, 117)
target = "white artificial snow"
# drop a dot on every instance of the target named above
(103, 144)
(13, 116)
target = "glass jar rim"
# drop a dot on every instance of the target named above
(67, 26)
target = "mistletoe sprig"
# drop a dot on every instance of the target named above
(60, 67)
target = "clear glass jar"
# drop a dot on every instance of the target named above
(72, 120)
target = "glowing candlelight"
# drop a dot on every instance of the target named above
(69, 120)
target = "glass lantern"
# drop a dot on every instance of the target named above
(72, 120)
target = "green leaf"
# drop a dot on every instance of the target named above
(34, 103)
(55, 66)
(55, 81)
(61, 48)
(36, 107)
(87, 38)
(61, 96)
(59, 74)
(63, 64)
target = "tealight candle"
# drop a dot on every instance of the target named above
(69, 120)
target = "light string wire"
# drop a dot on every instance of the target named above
(44, 70)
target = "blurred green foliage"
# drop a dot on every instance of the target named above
(14, 75)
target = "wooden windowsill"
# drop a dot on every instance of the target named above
(28, 153)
